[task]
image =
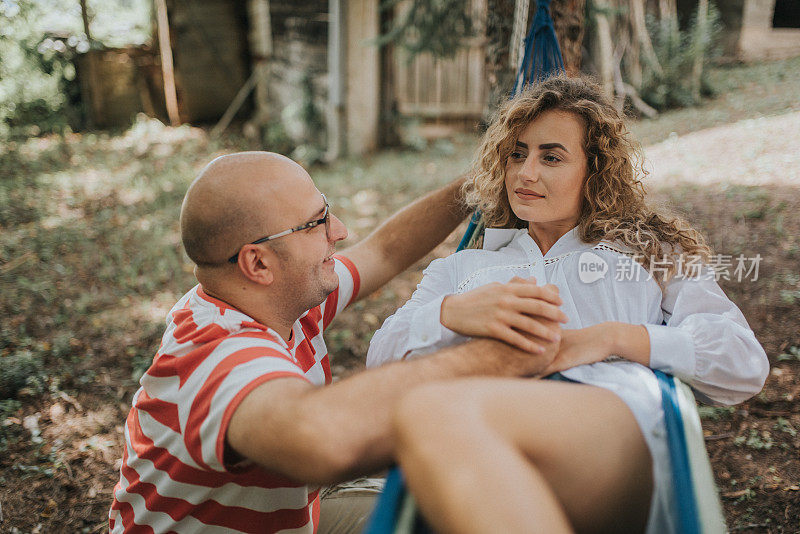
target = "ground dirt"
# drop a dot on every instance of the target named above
(730, 167)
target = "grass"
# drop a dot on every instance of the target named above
(742, 92)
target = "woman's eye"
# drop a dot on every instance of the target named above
(552, 158)
(517, 155)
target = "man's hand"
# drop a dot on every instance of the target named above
(519, 312)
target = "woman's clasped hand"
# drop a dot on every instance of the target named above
(519, 312)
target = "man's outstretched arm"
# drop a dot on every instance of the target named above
(322, 435)
(407, 236)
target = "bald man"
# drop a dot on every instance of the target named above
(237, 423)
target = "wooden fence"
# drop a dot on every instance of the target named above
(452, 88)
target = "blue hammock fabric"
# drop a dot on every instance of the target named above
(679, 456)
(542, 57)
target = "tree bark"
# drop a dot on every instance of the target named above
(568, 20)
(700, 39)
(668, 9)
(605, 49)
(95, 91)
(164, 45)
(516, 48)
(637, 12)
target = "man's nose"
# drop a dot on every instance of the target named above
(338, 229)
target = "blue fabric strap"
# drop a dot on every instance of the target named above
(385, 513)
(689, 521)
(473, 224)
(542, 57)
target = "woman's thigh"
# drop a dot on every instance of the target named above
(584, 441)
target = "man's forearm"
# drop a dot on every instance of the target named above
(407, 236)
(355, 414)
(416, 229)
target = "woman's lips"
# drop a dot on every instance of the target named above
(527, 194)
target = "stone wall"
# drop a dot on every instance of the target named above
(300, 44)
(759, 40)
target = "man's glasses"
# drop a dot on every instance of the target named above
(325, 219)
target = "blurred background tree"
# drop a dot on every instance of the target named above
(39, 39)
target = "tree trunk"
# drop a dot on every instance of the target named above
(700, 39)
(568, 20)
(92, 56)
(165, 46)
(605, 48)
(668, 9)
(642, 37)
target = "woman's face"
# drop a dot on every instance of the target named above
(546, 170)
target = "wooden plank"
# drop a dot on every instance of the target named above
(445, 87)
(170, 92)
(441, 110)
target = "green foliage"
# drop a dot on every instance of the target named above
(755, 440)
(304, 121)
(676, 51)
(20, 370)
(792, 354)
(715, 413)
(783, 425)
(439, 27)
(33, 73)
(790, 296)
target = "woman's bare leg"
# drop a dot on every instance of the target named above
(494, 455)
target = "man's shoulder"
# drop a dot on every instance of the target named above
(199, 319)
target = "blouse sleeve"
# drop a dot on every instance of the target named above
(416, 329)
(707, 343)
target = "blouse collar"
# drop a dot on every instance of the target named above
(497, 238)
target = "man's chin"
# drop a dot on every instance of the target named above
(330, 286)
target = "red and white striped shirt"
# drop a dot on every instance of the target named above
(173, 476)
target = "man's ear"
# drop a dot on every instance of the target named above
(257, 264)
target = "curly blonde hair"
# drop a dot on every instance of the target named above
(613, 206)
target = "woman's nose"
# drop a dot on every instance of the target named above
(529, 170)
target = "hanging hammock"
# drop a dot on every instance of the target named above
(541, 59)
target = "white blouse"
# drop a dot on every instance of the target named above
(696, 333)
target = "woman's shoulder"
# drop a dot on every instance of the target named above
(468, 263)
(477, 257)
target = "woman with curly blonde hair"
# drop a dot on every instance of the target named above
(570, 240)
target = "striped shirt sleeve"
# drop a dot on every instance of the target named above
(236, 366)
(345, 294)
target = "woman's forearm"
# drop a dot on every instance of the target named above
(630, 341)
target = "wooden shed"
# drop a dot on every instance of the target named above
(218, 44)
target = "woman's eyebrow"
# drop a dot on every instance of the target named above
(547, 146)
